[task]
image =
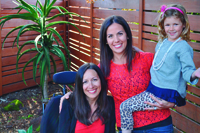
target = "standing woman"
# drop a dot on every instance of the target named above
(128, 73)
(88, 109)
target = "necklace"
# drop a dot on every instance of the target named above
(158, 66)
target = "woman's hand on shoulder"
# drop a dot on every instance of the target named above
(159, 104)
(66, 96)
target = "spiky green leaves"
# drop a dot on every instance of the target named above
(46, 45)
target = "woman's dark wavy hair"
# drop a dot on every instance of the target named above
(106, 54)
(79, 102)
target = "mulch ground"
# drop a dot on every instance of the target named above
(30, 114)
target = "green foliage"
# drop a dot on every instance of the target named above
(30, 130)
(25, 117)
(46, 44)
(38, 128)
(13, 105)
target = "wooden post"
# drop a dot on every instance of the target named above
(141, 7)
(91, 31)
(64, 19)
(1, 90)
(66, 30)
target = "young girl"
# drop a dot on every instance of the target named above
(172, 66)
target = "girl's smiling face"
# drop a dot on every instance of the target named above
(173, 28)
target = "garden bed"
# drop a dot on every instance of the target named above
(30, 114)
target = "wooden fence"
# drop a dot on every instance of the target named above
(142, 17)
(10, 81)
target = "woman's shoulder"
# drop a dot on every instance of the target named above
(144, 56)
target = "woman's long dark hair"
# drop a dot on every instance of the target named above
(79, 102)
(106, 54)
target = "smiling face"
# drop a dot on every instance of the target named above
(116, 38)
(173, 28)
(91, 84)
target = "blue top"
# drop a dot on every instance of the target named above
(177, 68)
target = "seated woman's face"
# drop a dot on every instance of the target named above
(91, 84)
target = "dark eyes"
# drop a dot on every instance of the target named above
(169, 24)
(119, 33)
(110, 36)
(94, 79)
(84, 82)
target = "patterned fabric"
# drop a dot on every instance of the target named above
(124, 85)
(135, 103)
(166, 94)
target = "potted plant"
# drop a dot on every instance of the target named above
(46, 45)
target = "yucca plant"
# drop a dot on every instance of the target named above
(45, 43)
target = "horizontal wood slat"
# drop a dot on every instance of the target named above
(14, 34)
(80, 11)
(148, 46)
(12, 69)
(27, 75)
(96, 61)
(128, 4)
(150, 29)
(190, 5)
(96, 43)
(9, 4)
(193, 89)
(79, 37)
(84, 30)
(197, 60)
(78, 3)
(151, 18)
(80, 22)
(190, 110)
(80, 55)
(193, 98)
(150, 36)
(76, 61)
(176, 130)
(185, 124)
(20, 85)
(126, 14)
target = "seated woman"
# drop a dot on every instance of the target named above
(88, 109)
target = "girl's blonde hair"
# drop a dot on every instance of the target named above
(185, 35)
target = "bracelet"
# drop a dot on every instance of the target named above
(174, 106)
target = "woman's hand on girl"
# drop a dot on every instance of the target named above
(66, 96)
(159, 104)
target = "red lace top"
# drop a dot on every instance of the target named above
(124, 85)
(95, 127)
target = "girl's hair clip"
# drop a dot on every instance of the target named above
(163, 7)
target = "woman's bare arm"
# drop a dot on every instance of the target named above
(66, 96)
